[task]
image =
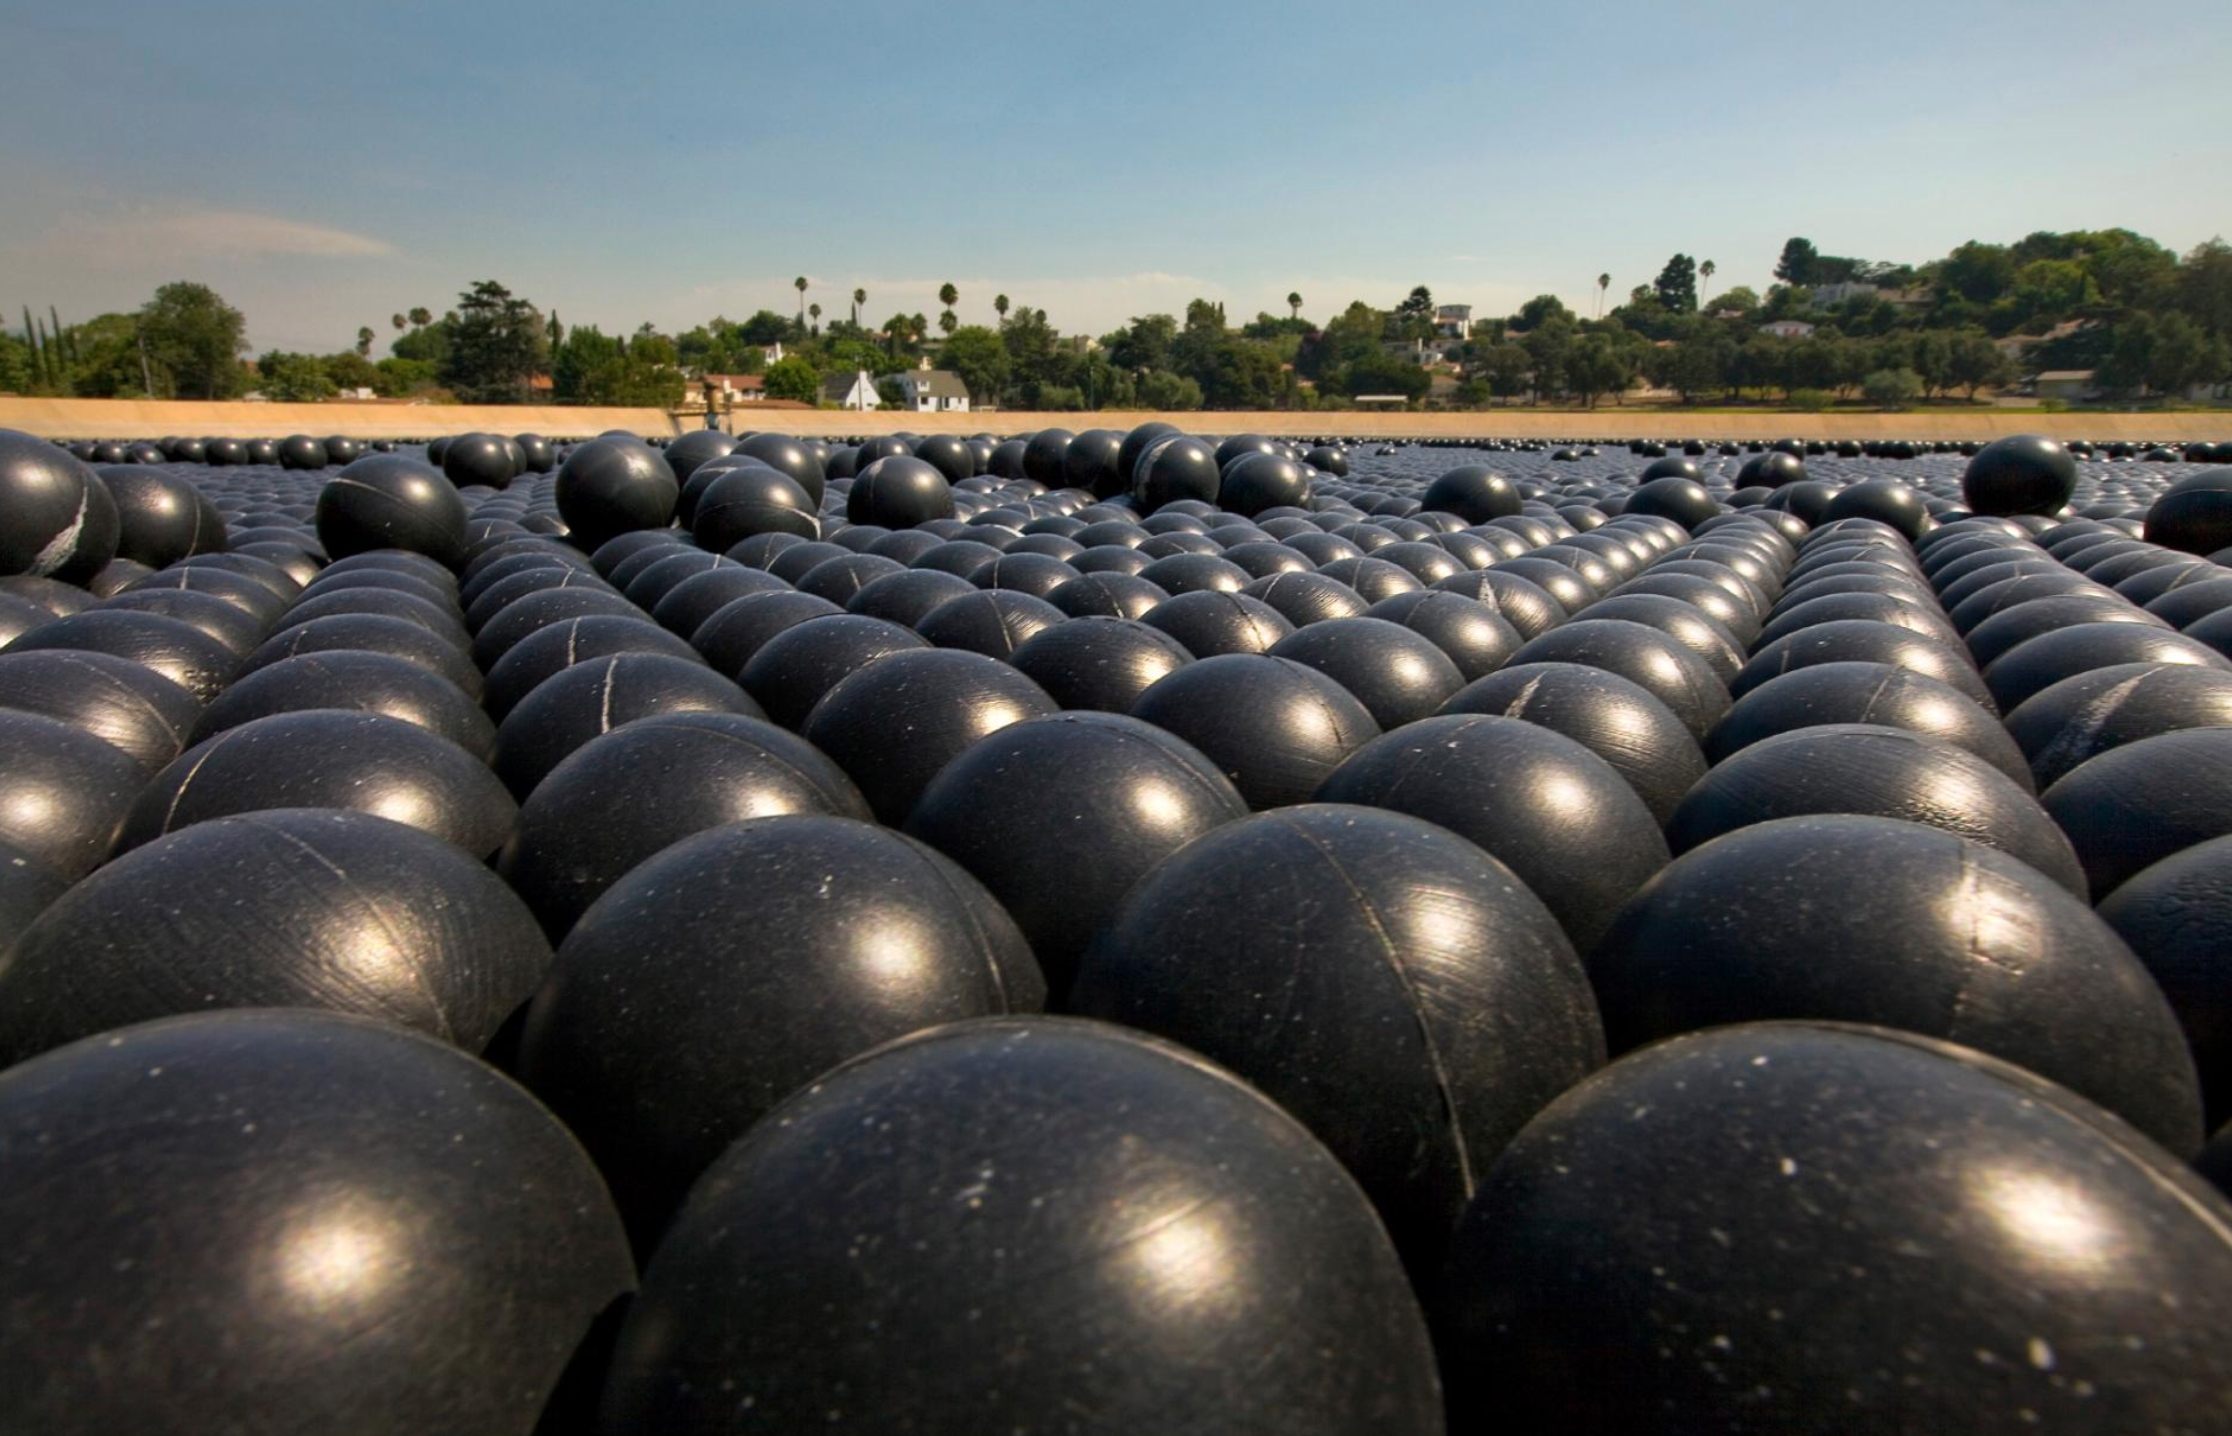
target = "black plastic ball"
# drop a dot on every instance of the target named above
(1685, 623)
(1526, 606)
(685, 608)
(1207, 623)
(693, 451)
(949, 454)
(1670, 467)
(2194, 515)
(899, 492)
(237, 632)
(1307, 598)
(1620, 722)
(1870, 919)
(1030, 1218)
(1771, 470)
(1399, 676)
(321, 758)
(484, 459)
(1876, 693)
(1472, 634)
(2133, 806)
(1276, 728)
(748, 501)
(127, 705)
(794, 668)
(359, 682)
(2092, 712)
(1886, 501)
(894, 723)
(300, 451)
(1388, 983)
(386, 501)
(1855, 640)
(1099, 663)
(1542, 804)
(1676, 496)
(301, 907)
(1473, 492)
(608, 487)
(228, 1216)
(57, 519)
(1174, 470)
(1258, 481)
(161, 518)
(1093, 462)
(2176, 916)
(371, 633)
(1654, 661)
(1021, 808)
(2019, 624)
(2020, 474)
(592, 698)
(64, 794)
(1879, 772)
(1807, 1226)
(660, 1047)
(1137, 442)
(649, 783)
(2039, 663)
(790, 457)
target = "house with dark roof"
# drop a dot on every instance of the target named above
(933, 391)
(851, 391)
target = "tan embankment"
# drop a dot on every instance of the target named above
(124, 418)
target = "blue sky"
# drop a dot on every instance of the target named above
(326, 165)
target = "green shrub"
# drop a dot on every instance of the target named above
(1892, 388)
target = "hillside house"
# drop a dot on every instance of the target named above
(933, 391)
(851, 391)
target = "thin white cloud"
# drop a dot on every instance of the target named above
(131, 236)
(1472, 259)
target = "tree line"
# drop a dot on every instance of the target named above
(2148, 323)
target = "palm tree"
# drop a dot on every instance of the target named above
(1294, 305)
(948, 296)
(398, 321)
(800, 285)
(364, 340)
(1604, 282)
(1705, 273)
(420, 318)
(815, 310)
(860, 297)
(1000, 306)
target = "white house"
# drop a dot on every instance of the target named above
(856, 391)
(933, 391)
(1453, 321)
(1788, 329)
